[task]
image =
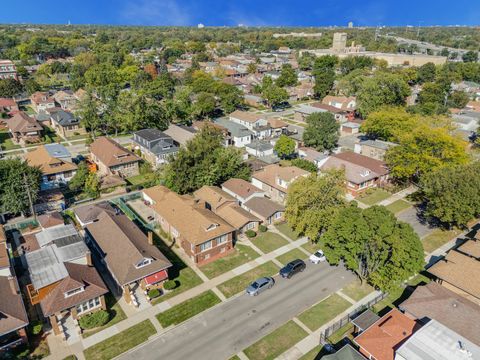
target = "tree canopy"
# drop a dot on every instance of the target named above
(321, 131)
(285, 146)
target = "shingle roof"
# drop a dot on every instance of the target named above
(180, 134)
(110, 153)
(263, 206)
(241, 187)
(12, 311)
(48, 164)
(214, 196)
(246, 116)
(434, 301)
(124, 245)
(64, 118)
(21, 122)
(237, 130)
(151, 134)
(89, 213)
(345, 353)
(471, 248)
(270, 173)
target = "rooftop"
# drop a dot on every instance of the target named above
(49, 164)
(111, 153)
(263, 206)
(241, 187)
(237, 130)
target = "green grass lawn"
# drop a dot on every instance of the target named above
(398, 205)
(357, 290)
(340, 334)
(121, 342)
(374, 197)
(438, 238)
(240, 282)
(184, 277)
(276, 343)
(141, 179)
(6, 142)
(267, 241)
(286, 230)
(312, 247)
(291, 255)
(116, 315)
(242, 255)
(315, 354)
(188, 309)
(234, 357)
(324, 311)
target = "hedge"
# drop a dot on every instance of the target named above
(96, 319)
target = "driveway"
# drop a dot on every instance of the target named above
(234, 325)
(410, 216)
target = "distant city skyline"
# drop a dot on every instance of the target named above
(245, 12)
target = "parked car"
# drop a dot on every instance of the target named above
(318, 257)
(260, 285)
(292, 268)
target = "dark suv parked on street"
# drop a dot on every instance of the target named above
(292, 268)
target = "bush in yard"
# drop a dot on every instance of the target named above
(36, 327)
(96, 319)
(262, 228)
(169, 285)
(250, 233)
(152, 294)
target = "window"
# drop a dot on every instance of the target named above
(277, 215)
(250, 225)
(206, 245)
(88, 305)
(175, 232)
(74, 291)
(222, 239)
(143, 263)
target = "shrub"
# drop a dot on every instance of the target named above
(152, 294)
(262, 228)
(169, 285)
(250, 233)
(96, 319)
(36, 327)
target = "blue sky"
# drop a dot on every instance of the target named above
(247, 12)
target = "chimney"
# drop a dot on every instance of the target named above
(13, 285)
(150, 238)
(88, 255)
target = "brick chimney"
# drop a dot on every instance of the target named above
(88, 256)
(13, 285)
(150, 238)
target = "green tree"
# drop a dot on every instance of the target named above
(470, 56)
(274, 95)
(351, 63)
(92, 185)
(313, 201)
(321, 131)
(10, 87)
(324, 73)
(78, 180)
(252, 68)
(285, 146)
(375, 245)
(204, 105)
(426, 73)
(204, 161)
(457, 99)
(88, 113)
(305, 165)
(380, 90)
(17, 180)
(389, 123)
(452, 194)
(288, 76)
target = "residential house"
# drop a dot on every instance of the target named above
(180, 134)
(347, 352)
(130, 256)
(375, 149)
(339, 114)
(155, 146)
(451, 272)
(66, 99)
(349, 128)
(386, 335)
(41, 101)
(204, 237)
(278, 126)
(227, 207)
(8, 70)
(113, 159)
(13, 317)
(66, 124)
(312, 155)
(23, 128)
(304, 90)
(303, 111)
(55, 164)
(253, 100)
(361, 172)
(260, 148)
(8, 105)
(64, 281)
(436, 302)
(238, 135)
(88, 214)
(241, 190)
(435, 341)
(275, 180)
(341, 102)
(50, 220)
(256, 123)
(268, 211)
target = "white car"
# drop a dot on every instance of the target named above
(318, 257)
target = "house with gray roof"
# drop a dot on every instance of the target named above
(375, 149)
(302, 111)
(238, 135)
(66, 124)
(259, 148)
(156, 147)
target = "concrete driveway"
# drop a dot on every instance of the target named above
(234, 325)
(410, 216)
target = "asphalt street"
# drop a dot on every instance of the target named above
(232, 326)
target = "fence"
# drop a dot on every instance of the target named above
(30, 223)
(348, 318)
(121, 202)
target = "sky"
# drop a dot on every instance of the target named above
(246, 12)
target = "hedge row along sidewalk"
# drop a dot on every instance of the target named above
(123, 341)
(188, 309)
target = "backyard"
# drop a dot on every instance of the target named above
(268, 241)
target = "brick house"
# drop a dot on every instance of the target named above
(204, 237)
(23, 128)
(8, 70)
(155, 146)
(113, 159)
(41, 101)
(66, 124)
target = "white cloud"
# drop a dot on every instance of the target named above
(156, 12)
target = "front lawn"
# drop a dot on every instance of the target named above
(324, 311)
(276, 343)
(188, 309)
(240, 282)
(121, 342)
(286, 230)
(116, 315)
(268, 241)
(240, 256)
(398, 205)
(438, 238)
(292, 255)
(6, 142)
(357, 290)
(374, 197)
(312, 247)
(315, 354)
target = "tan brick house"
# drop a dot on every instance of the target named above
(113, 159)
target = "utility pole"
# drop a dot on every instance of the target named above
(27, 187)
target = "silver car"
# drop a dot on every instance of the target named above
(260, 285)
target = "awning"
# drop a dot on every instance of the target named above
(157, 277)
